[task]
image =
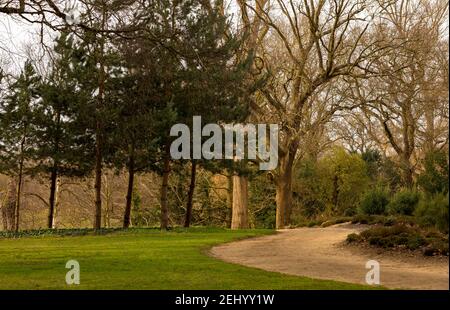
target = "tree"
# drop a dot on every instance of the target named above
(17, 126)
(314, 44)
(192, 75)
(408, 91)
(63, 147)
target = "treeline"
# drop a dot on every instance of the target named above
(359, 91)
(110, 101)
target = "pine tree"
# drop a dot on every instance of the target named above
(17, 127)
(63, 145)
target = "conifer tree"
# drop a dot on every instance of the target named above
(17, 127)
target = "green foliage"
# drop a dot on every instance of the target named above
(433, 211)
(373, 160)
(435, 177)
(374, 201)
(404, 202)
(346, 178)
(308, 189)
(62, 143)
(262, 202)
(350, 212)
(17, 115)
(337, 180)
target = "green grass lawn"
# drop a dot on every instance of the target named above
(140, 259)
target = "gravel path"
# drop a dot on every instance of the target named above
(321, 253)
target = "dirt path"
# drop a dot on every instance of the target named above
(320, 253)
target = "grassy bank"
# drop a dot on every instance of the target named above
(139, 259)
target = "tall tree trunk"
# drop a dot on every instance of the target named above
(229, 198)
(239, 219)
(164, 186)
(51, 202)
(98, 185)
(99, 130)
(19, 185)
(187, 220)
(56, 209)
(284, 191)
(9, 205)
(126, 217)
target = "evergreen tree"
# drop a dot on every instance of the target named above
(64, 147)
(17, 127)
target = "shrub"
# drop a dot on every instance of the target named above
(404, 202)
(312, 207)
(436, 247)
(353, 238)
(349, 212)
(435, 177)
(374, 202)
(404, 236)
(433, 212)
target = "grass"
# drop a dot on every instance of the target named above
(140, 259)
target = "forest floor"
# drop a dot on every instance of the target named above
(141, 259)
(322, 253)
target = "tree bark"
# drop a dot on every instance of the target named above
(19, 185)
(99, 131)
(56, 209)
(187, 220)
(229, 198)
(9, 205)
(126, 217)
(98, 185)
(284, 192)
(51, 201)
(164, 186)
(239, 219)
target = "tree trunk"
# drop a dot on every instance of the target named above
(284, 192)
(429, 144)
(229, 198)
(126, 217)
(164, 186)
(407, 172)
(19, 185)
(187, 220)
(51, 202)
(9, 205)
(98, 185)
(56, 209)
(99, 131)
(239, 219)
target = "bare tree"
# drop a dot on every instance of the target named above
(408, 91)
(311, 43)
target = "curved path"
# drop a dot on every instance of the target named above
(320, 253)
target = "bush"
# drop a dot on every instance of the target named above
(354, 238)
(374, 202)
(433, 212)
(349, 212)
(435, 177)
(404, 202)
